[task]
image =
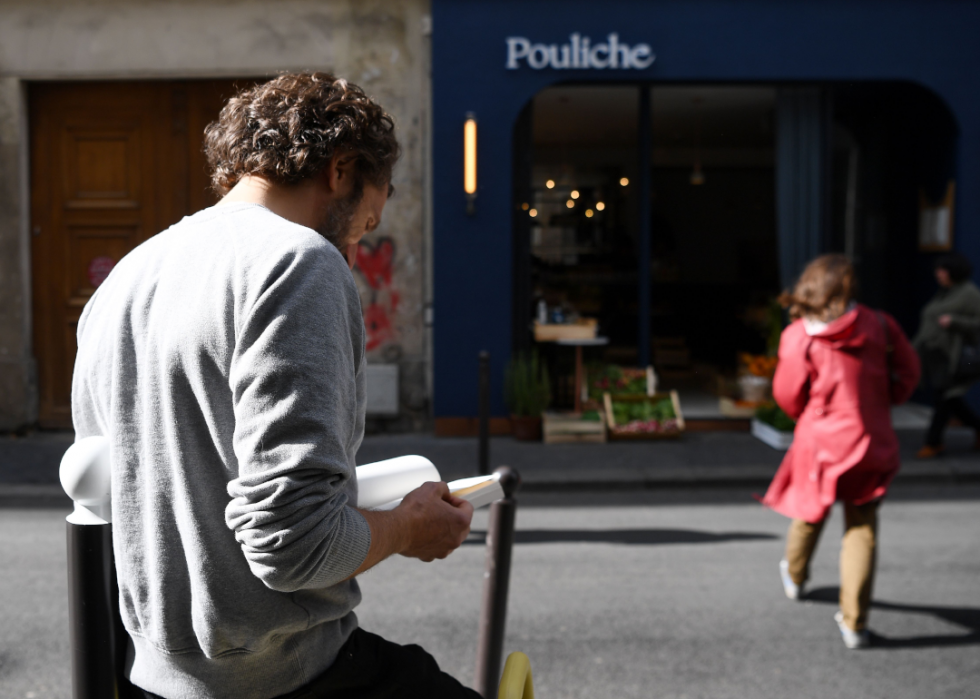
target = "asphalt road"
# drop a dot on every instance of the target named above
(629, 596)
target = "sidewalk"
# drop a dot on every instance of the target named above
(29, 465)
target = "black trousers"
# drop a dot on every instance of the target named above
(945, 409)
(369, 667)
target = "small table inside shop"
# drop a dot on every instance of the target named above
(578, 344)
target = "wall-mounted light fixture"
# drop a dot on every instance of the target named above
(469, 162)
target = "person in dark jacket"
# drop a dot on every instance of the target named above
(949, 321)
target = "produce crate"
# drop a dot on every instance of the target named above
(777, 439)
(584, 329)
(615, 431)
(561, 428)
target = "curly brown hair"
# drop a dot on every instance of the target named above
(287, 130)
(824, 290)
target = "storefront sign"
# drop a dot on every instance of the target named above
(578, 54)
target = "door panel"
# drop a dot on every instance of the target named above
(110, 167)
(205, 98)
(102, 167)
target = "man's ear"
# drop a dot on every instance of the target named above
(339, 172)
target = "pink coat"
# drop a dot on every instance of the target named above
(839, 385)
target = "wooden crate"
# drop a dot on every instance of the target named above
(584, 329)
(611, 418)
(560, 428)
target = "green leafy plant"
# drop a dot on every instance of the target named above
(774, 327)
(773, 415)
(527, 389)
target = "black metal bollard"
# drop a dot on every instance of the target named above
(92, 612)
(483, 456)
(496, 581)
(95, 629)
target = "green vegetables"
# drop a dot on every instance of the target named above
(626, 412)
(615, 380)
(773, 415)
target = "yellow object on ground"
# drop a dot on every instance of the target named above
(516, 682)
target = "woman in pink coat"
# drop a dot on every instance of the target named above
(841, 368)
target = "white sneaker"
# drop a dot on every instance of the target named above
(792, 590)
(852, 639)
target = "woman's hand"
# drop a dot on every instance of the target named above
(945, 320)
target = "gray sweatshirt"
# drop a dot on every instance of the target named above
(224, 360)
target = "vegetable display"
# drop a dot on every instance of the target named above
(650, 415)
(615, 380)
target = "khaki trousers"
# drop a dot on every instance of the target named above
(857, 558)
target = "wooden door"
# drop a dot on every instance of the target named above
(111, 165)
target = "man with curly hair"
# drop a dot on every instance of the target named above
(224, 360)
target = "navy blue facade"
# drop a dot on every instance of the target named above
(933, 44)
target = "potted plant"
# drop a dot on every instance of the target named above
(527, 392)
(773, 426)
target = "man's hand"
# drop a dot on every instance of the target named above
(438, 522)
(428, 524)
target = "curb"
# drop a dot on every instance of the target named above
(722, 482)
(30, 495)
(14, 495)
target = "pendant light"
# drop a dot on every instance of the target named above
(697, 175)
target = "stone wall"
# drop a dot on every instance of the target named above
(18, 392)
(382, 46)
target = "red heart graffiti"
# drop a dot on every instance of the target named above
(375, 262)
(378, 326)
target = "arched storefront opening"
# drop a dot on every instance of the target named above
(675, 213)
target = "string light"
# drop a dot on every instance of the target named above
(600, 205)
(550, 184)
(570, 203)
(589, 213)
(525, 206)
(533, 213)
(623, 181)
(574, 194)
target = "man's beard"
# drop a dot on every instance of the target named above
(335, 224)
